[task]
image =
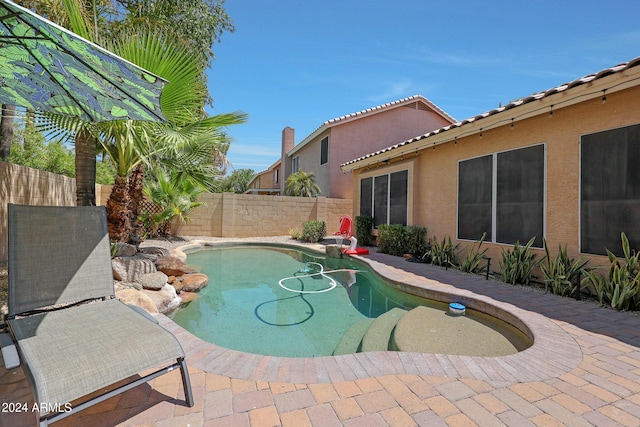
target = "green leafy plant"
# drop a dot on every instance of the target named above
(562, 273)
(364, 226)
(621, 287)
(415, 242)
(295, 233)
(391, 239)
(517, 264)
(473, 261)
(313, 231)
(444, 253)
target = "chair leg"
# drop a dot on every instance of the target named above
(186, 383)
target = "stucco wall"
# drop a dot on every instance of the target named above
(435, 182)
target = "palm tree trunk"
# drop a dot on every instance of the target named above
(85, 169)
(118, 210)
(135, 194)
(6, 130)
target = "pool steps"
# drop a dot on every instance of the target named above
(378, 335)
(351, 340)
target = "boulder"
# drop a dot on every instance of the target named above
(127, 285)
(129, 269)
(153, 281)
(153, 253)
(193, 282)
(165, 299)
(134, 297)
(124, 249)
(187, 297)
(172, 266)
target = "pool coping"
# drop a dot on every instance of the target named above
(554, 351)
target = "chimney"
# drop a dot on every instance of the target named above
(288, 142)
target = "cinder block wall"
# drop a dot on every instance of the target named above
(247, 215)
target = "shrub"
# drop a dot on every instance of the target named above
(621, 287)
(444, 254)
(391, 239)
(517, 264)
(473, 260)
(364, 226)
(562, 274)
(294, 233)
(313, 231)
(415, 241)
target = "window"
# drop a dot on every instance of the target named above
(385, 198)
(324, 150)
(276, 175)
(295, 162)
(610, 190)
(502, 195)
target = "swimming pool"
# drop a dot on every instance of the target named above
(283, 301)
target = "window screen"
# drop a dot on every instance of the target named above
(475, 186)
(366, 196)
(520, 195)
(380, 199)
(324, 150)
(610, 190)
(398, 198)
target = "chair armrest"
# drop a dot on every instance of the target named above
(9, 351)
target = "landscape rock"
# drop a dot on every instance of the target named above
(165, 299)
(172, 266)
(187, 296)
(193, 282)
(153, 281)
(125, 249)
(153, 253)
(129, 269)
(127, 285)
(134, 297)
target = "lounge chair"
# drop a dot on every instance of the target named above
(74, 338)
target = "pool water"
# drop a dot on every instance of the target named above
(285, 302)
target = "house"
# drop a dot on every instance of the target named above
(343, 138)
(563, 164)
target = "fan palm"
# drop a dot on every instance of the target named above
(301, 184)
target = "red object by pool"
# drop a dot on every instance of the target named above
(356, 251)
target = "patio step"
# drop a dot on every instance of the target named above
(351, 340)
(378, 335)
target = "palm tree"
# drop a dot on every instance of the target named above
(301, 184)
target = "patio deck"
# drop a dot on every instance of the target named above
(583, 369)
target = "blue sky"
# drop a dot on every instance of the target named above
(299, 63)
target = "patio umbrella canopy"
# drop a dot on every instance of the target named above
(46, 67)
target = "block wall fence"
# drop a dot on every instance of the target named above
(221, 215)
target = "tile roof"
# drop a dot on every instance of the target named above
(515, 104)
(373, 110)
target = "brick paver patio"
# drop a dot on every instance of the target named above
(583, 369)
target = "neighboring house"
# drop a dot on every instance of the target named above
(266, 182)
(341, 139)
(563, 164)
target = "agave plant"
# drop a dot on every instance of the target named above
(444, 253)
(518, 263)
(562, 273)
(620, 288)
(473, 260)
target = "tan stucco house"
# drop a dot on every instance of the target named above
(563, 164)
(341, 139)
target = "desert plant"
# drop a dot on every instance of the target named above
(364, 226)
(473, 259)
(313, 231)
(444, 253)
(517, 264)
(391, 239)
(415, 242)
(295, 233)
(562, 274)
(621, 287)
